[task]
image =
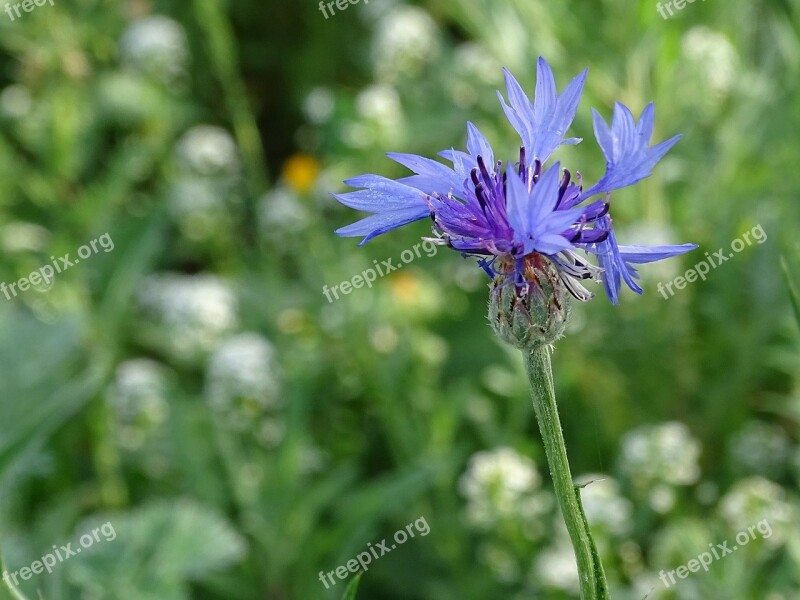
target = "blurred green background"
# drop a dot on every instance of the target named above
(194, 387)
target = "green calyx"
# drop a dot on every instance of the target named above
(530, 316)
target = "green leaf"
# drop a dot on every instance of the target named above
(48, 402)
(352, 588)
(601, 587)
(8, 591)
(159, 546)
(794, 294)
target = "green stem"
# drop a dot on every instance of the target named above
(221, 42)
(590, 571)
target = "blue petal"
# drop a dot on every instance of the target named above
(546, 94)
(381, 194)
(477, 145)
(463, 163)
(625, 145)
(431, 176)
(543, 124)
(554, 115)
(611, 268)
(517, 205)
(616, 260)
(544, 196)
(647, 121)
(520, 114)
(602, 134)
(379, 223)
(559, 221)
(531, 213)
(551, 243)
(614, 267)
(393, 203)
(648, 254)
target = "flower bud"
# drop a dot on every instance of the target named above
(532, 312)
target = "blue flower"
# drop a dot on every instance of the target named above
(481, 208)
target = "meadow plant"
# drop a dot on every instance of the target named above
(242, 382)
(525, 224)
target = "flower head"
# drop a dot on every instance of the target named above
(666, 453)
(242, 382)
(502, 484)
(759, 501)
(156, 45)
(186, 315)
(482, 208)
(138, 401)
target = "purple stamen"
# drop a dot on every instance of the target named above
(537, 170)
(484, 171)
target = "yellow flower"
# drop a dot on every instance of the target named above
(300, 172)
(405, 287)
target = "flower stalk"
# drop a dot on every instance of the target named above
(525, 223)
(590, 570)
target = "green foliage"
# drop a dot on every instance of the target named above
(194, 387)
(794, 294)
(352, 588)
(157, 548)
